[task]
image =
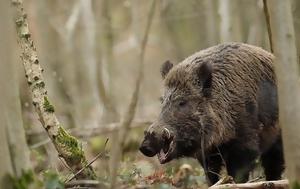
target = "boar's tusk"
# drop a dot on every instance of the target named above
(167, 130)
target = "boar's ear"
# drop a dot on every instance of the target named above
(165, 68)
(204, 73)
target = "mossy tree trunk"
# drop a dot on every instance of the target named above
(287, 71)
(68, 147)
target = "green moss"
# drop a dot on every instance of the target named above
(70, 145)
(72, 151)
(48, 107)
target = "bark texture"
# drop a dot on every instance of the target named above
(67, 146)
(287, 71)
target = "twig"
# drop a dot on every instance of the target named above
(66, 165)
(224, 180)
(90, 163)
(41, 143)
(215, 173)
(203, 156)
(223, 160)
(279, 184)
(255, 179)
(267, 17)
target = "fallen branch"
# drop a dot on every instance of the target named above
(279, 184)
(83, 184)
(68, 147)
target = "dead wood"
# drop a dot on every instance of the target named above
(279, 184)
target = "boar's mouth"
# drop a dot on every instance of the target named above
(167, 150)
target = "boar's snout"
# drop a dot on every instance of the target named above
(155, 140)
(146, 149)
(150, 144)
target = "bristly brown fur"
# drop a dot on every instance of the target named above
(237, 70)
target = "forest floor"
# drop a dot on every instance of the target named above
(135, 170)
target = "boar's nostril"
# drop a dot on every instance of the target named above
(147, 151)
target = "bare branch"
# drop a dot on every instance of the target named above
(279, 184)
(267, 16)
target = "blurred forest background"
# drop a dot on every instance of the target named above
(90, 52)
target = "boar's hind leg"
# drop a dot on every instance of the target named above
(273, 162)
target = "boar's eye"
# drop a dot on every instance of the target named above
(182, 103)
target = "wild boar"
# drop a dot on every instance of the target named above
(220, 106)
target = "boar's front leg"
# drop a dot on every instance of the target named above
(213, 166)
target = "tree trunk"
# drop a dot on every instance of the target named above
(256, 29)
(5, 156)
(230, 23)
(169, 31)
(211, 22)
(11, 107)
(104, 46)
(287, 72)
(296, 14)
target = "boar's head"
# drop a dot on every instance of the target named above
(186, 118)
